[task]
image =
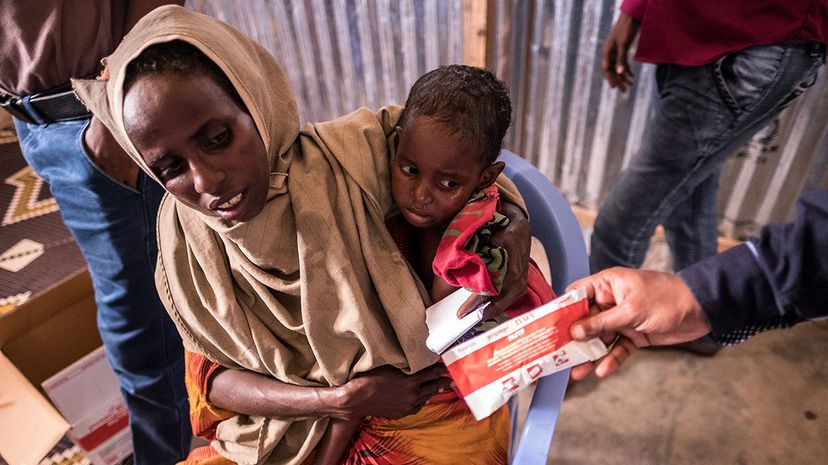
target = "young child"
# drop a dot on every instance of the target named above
(442, 181)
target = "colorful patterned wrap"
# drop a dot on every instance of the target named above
(442, 432)
(466, 256)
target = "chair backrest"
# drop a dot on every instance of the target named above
(553, 222)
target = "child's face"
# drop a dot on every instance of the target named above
(435, 173)
(204, 148)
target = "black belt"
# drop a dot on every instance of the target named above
(59, 104)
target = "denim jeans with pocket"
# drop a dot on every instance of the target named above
(114, 225)
(702, 115)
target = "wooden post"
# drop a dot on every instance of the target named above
(474, 32)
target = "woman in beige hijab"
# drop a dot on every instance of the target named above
(273, 253)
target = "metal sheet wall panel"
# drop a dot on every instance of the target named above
(581, 133)
(342, 54)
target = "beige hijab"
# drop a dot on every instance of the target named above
(311, 291)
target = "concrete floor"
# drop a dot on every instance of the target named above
(762, 402)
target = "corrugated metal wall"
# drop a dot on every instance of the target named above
(581, 133)
(342, 54)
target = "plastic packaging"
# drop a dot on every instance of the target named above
(494, 366)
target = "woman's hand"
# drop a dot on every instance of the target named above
(517, 240)
(389, 393)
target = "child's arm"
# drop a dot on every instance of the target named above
(336, 441)
(440, 289)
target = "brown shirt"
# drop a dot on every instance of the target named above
(45, 42)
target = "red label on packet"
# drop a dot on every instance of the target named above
(496, 365)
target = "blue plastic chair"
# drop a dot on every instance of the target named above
(554, 224)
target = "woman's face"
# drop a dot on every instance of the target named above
(205, 150)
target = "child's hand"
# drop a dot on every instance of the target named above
(517, 240)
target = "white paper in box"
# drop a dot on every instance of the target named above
(87, 395)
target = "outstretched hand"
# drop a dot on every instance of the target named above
(637, 308)
(614, 62)
(516, 238)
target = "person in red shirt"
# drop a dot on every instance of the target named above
(725, 69)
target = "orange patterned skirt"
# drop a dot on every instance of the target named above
(442, 432)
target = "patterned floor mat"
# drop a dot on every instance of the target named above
(36, 249)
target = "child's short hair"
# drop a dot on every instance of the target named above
(465, 100)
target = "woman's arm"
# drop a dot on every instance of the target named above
(335, 442)
(252, 393)
(382, 392)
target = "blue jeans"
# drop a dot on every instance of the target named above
(114, 225)
(702, 116)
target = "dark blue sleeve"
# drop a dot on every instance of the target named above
(776, 280)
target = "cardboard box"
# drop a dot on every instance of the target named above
(29, 425)
(37, 340)
(87, 395)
